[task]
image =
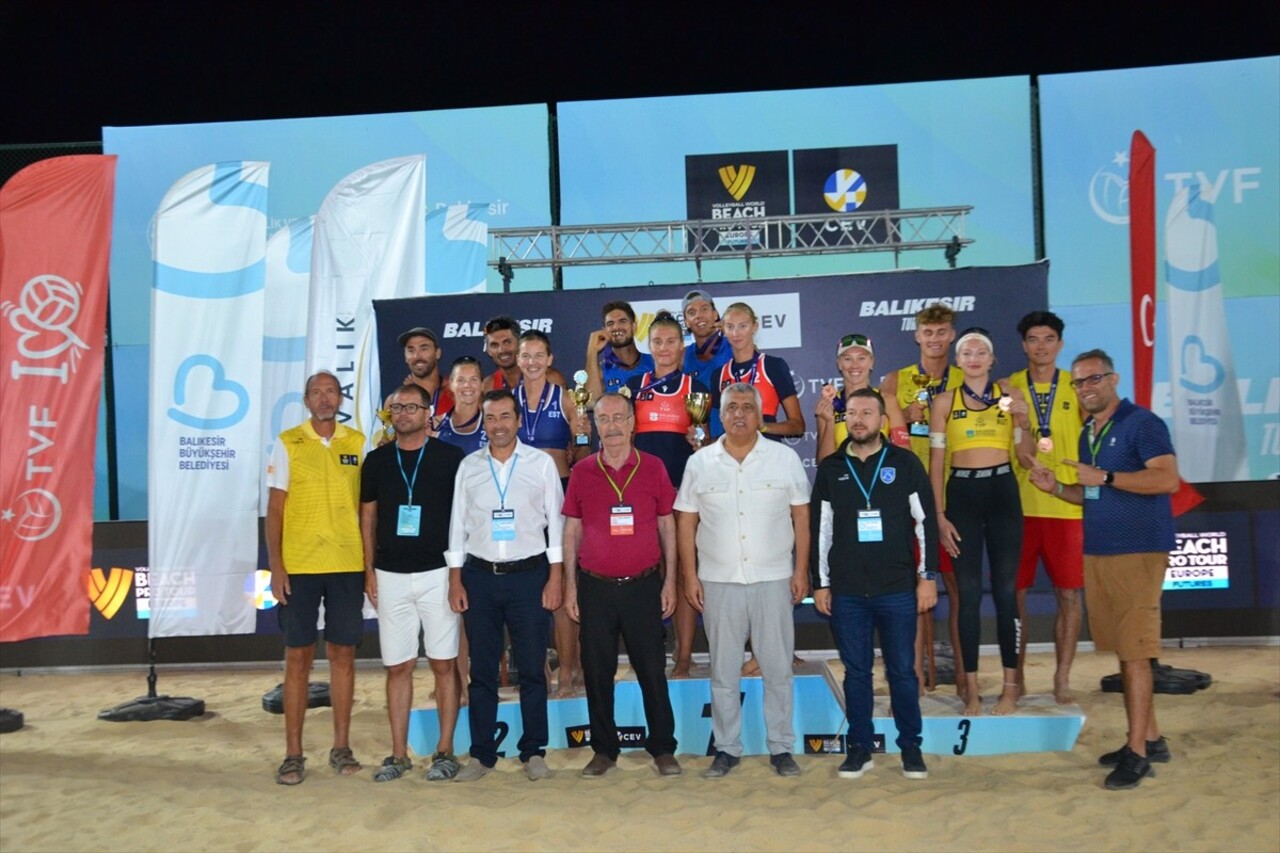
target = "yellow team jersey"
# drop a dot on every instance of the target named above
(322, 511)
(969, 429)
(1064, 427)
(907, 391)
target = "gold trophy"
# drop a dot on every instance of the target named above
(922, 381)
(581, 400)
(386, 432)
(698, 405)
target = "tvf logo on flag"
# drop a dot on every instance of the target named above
(108, 590)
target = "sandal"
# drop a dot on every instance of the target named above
(444, 766)
(341, 760)
(292, 771)
(392, 768)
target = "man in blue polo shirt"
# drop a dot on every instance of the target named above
(1127, 472)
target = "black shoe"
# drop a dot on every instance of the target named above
(913, 766)
(784, 764)
(1157, 753)
(858, 762)
(1129, 772)
(721, 765)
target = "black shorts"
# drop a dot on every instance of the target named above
(343, 596)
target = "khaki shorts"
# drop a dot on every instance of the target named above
(1122, 594)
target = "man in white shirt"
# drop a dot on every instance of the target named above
(505, 568)
(743, 534)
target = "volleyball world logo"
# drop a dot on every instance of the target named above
(845, 190)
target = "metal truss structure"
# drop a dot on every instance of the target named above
(696, 240)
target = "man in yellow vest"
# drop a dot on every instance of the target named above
(315, 553)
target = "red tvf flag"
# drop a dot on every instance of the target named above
(1142, 286)
(55, 237)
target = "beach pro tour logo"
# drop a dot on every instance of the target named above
(824, 744)
(737, 180)
(108, 590)
(736, 188)
(577, 736)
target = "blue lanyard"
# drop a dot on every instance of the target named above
(530, 432)
(1044, 405)
(408, 484)
(866, 493)
(934, 390)
(657, 383)
(493, 472)
(986, 397)
(751, 377)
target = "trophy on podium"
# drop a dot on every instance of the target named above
(698, 405)
(581, 399)
(922, 381)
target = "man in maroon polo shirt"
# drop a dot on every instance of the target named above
(619, 534)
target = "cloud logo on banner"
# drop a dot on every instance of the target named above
(35, 515)
(737, 180)
(1109, 191)
(845, 191)
(215, 392)
(457, 248)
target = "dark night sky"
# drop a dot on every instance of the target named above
(70, 68)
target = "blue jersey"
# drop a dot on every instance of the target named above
(614, 374)
(472, 437)
(542, 422)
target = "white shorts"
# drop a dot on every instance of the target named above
(409, 604)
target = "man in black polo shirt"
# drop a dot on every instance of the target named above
(406, 492)
(871, 501)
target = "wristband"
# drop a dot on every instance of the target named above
(1110, 479)
(1058, 491)
(938, 440)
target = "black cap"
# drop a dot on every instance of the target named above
(417, 331)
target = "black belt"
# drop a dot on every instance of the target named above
(528, 563)
(981, 473)
(619, 581)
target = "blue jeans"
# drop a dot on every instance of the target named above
(893, 616)
(515, 599)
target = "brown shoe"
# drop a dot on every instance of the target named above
(667, 765)
(600, 765)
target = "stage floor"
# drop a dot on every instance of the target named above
(70, 782)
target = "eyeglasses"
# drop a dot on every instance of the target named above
(613, 419)
(1089, 380)
(855, 341)
(407, 408)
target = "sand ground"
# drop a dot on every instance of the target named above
(71, 782)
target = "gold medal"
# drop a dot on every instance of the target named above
(1004, 403)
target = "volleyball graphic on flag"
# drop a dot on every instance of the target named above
(845, 190)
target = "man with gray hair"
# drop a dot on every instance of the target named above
(743, 539)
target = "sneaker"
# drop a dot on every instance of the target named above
(392, 768)
(721, 765)
(784, 764)
(536, 768)
(600, 764)
(1129, 772)
(473, 771)
(858, 762)
(913, 766)
(1157, 753)
(667, 765)
(444, 766)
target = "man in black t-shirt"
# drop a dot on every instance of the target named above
(406, 492)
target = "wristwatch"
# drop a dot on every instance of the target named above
(928, 576)
(1110, 479)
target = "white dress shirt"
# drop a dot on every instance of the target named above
(533, 490)
(745, 533)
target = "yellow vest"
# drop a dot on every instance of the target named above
(322, 510)
(1064, 424)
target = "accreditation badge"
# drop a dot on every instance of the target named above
(622, 520)
(409, 521)
(503, 525)
(870, 526)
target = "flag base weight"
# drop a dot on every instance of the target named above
(317, 697)
(147, 708)
(1166, 679)
(10, 720)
